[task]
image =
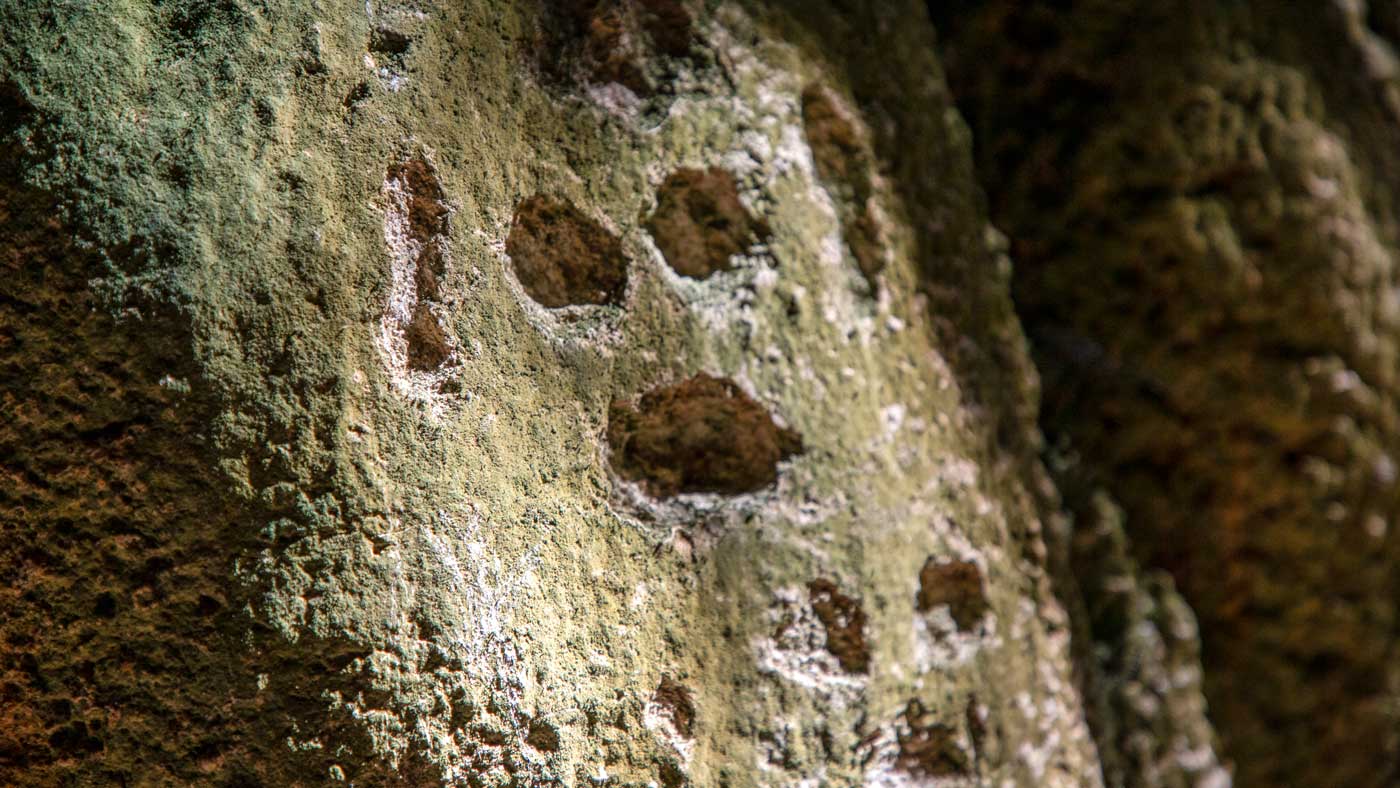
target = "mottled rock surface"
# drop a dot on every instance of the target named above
(630, 392)
(1202, 202)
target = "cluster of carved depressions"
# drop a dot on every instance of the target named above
(957, 584)
(846, 164)
(927, 747)
(637, 44)
(700, 224)
(844, 620)
(702, 435)
(564, 258)
(422, 233)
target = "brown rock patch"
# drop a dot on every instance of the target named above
(428, 343)
(700, 223)
(957, 584)
(634, 43)
(928, 748)
(701, 435)
(563, 257)
(428, 347)
(844, 621)
(673, 698)
(846, 164)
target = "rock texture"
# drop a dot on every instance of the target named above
(502, 394)
(631, 393)
(1202, 202)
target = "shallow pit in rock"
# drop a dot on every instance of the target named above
(846, 164)
(957, 584)
(638, 44)
(417, 231)
(562, 257)
(673, 700)
(700, 223)
(927, 747)
(844, 620)
(703, 434)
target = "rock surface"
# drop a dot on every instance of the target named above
(1203, 205)
(630, 392)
